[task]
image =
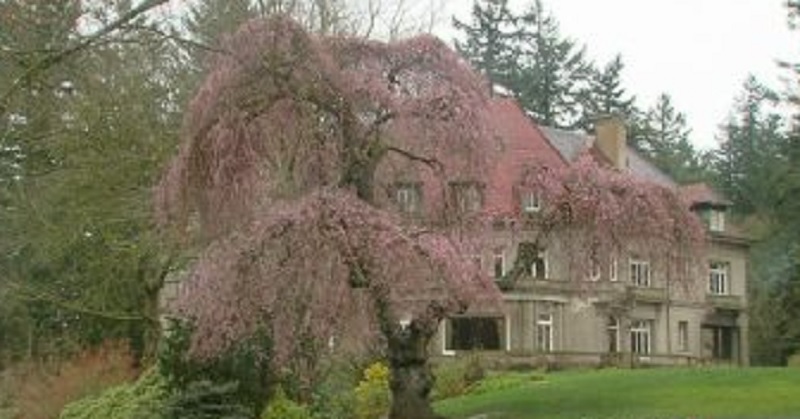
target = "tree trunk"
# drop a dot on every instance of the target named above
(411, 380)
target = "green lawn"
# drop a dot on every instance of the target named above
(640, 394)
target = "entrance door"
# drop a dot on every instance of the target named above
(720, 343)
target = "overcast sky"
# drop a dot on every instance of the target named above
(698, 51)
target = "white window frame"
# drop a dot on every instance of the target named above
(640, 273)
(716, 220)
(613, 326)
(594, 270)
(407, 197)
(719, 278)
(544, 332)
(642, 337)
(683, 335)
(499, 254)
(531, 202)
(613, 270)
(540, 254)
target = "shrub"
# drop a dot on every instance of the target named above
(793, 361)
(243, 369)
(205, 400)
(138, 400)
(372, 393)
(87, 373)
(282, 407)
(457, 377)
(334, 396)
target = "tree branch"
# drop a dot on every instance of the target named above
(432, 162)
(59, 56)
(28, 294)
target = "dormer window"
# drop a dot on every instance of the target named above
(716, 220)
(467, 196)
(531, 202)
(407, 197)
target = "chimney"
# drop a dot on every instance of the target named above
(611, 139)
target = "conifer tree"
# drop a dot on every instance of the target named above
(492, 40)
(553, 70)
(665, 140)
(605, 94)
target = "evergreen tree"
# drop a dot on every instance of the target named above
(605, 94)
(78, 254)
(750, 162)
(553, 71)
(491, 40)
(664, 138)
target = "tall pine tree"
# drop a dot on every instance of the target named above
(664, 138)
(605, 94)
(491, 40)
(553, 70)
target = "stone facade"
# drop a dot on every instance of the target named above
(628, 315)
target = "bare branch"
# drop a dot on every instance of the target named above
(88, 41)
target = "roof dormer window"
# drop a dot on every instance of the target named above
(531, 202)
(716, 220)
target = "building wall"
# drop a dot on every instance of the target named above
(581, 309)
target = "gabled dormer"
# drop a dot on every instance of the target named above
(708, 204)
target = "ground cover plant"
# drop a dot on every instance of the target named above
(641, 394)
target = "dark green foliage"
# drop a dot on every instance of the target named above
(751, 164)
(79, 258)
(605, 95)
(553, 70)
(662, 135)
(242, 371)
(142, 399)
(206, 399)
(492, 40)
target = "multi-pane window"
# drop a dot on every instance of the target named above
(683, 335)
(467, 197)
(716, 220)
(718, 278)
(640, 273)
(539, 264)
(612, 329)
(531, 202)
(533, 259)
(641, 337)
(408, 197)
(499, 264)
(474, 333)
(544, 332)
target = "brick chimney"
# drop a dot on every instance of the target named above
(611, 139)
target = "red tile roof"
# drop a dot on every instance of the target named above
(524, 146)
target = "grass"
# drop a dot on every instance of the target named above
(641, 394)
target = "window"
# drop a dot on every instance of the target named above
(467, 197)
(499, 264)
(716, 220)
(530, 202)
(407, 196)
(612, 270)
(612, 330)
(544, 332)
(640, 273)
(594, 270)
(641, 341)
(683, 336)
(474, 333)
(718, 278)
(533, 259)
(539, 265)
